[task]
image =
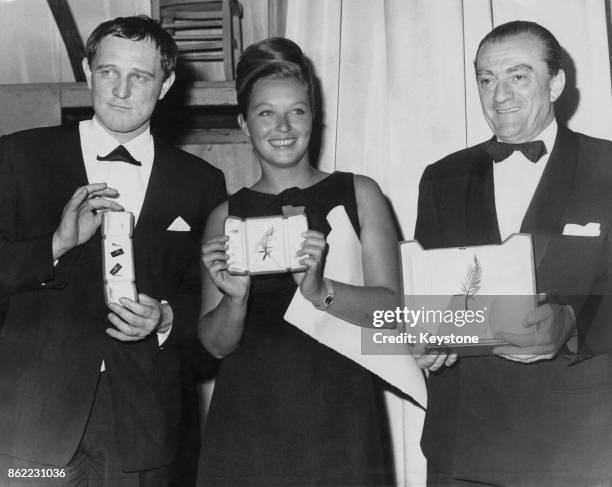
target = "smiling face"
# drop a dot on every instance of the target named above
(126, 80)
(279, 121)
(516, 90)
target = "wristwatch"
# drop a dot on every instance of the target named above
(328, 299)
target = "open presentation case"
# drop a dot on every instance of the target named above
(261, 245)
(464, 295)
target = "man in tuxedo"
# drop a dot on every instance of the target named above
(89, 394)
(537, 411)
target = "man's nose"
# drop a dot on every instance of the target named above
(502, 92)
(121, 89)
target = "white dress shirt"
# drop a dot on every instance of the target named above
(515, 180)
(131, 181)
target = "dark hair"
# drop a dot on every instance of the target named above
(275, 57)
(552, 49)
(136, 28)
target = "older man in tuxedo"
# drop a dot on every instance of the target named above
(537, 411)
(89, 394)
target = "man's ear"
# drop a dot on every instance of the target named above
(87, 71)
(557, 83)
(243, 125)
(166, 85)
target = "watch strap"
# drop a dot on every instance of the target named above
(329, 296)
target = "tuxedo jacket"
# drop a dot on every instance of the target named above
(53, 318)
(497, 421)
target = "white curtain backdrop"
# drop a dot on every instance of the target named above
(398, 84)
(399, 93)
(31, 47)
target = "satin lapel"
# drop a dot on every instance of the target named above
(69, 174)
(157, 195)
(551, 195)
(69, 170)
(481, 216)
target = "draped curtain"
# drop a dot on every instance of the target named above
(398, 80)
(399, 93)
(31, 48)
(398, 89)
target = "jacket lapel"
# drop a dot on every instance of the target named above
(551, 195)
(69, 174)
(157, 198)
(481, 216)
(69, 166)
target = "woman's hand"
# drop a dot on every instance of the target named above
(313, 249)
(214, 258)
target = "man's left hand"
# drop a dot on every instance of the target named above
(435, 359)
(551, 325)
(134, 320)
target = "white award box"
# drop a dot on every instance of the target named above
(262, 245)
(118, 256)
(464, 295)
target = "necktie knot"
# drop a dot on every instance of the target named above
(120, 153)
(533, 150)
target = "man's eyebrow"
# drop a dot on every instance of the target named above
(511, 69)
(135, 70)
(104, 66)
(144, 71)
(519, 67)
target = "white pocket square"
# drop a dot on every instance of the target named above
(588, 230)
(179, 225)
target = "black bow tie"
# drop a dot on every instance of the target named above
(120, 153)
(531, 150)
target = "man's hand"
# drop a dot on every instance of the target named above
(551, 325)
(432, 360)
(435, 359)
(134, 321)
(80, 218)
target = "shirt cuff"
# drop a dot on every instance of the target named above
(572, 342)
(571, 349)
(163, 336)
(165, 322)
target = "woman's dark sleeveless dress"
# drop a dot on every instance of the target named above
(287, 410)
